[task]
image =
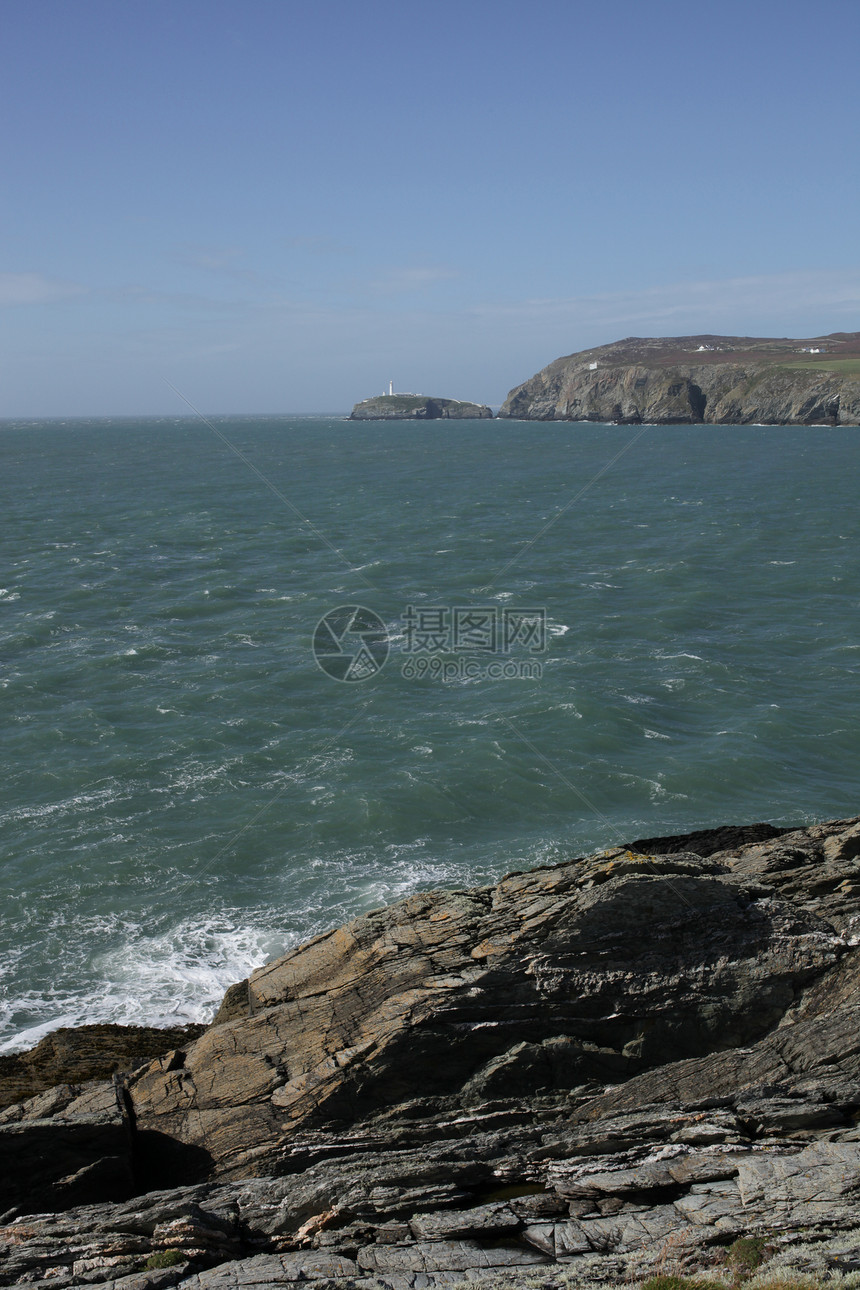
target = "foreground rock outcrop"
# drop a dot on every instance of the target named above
(416, 407)
(725, 380)
(75, 1055)
(585, 1071)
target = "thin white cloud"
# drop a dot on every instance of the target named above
(35, 289)
(217, 259)
(135, 294)
(319, 245)
(732, 301)
(225, 262)
(411, 279)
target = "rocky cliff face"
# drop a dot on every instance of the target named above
(727, 380)
(621, 1062)
(416, 407)
(85, 1053)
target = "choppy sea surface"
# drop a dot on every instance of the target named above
(186, 792)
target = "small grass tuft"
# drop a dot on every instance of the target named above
(165, 1259)
(746, 1254)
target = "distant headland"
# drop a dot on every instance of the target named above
(416, 407)
(683, 380)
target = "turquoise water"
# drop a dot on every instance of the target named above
(187, 793)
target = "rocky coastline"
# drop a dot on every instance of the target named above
(593, 1071)
(690, 380)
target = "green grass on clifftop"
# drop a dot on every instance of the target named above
(401, 402)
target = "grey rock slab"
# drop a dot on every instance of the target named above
(441, 1256)
(558, 1240)
(619, 1182)
(712, 1204)
(824, 1171)
(703, 1167)
(784, 1115)
(444, 1224)
(152, 1279)
(273, 1270)
(633, 1231)
(95, 1102)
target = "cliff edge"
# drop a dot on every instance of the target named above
(725, 380)
(616, 1064)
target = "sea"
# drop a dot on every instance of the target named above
(259, 675)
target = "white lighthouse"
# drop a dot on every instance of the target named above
(390, 387)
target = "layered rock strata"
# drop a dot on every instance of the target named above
(75, 1055)
(586, 1071)
(687, 380)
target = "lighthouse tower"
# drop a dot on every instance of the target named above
(390, 387)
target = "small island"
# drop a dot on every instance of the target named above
(416, 407)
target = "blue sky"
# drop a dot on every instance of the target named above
(279, 206)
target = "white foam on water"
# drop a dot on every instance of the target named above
(83, 801)
(360, 823)
(171, 978)
(30, 1037)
